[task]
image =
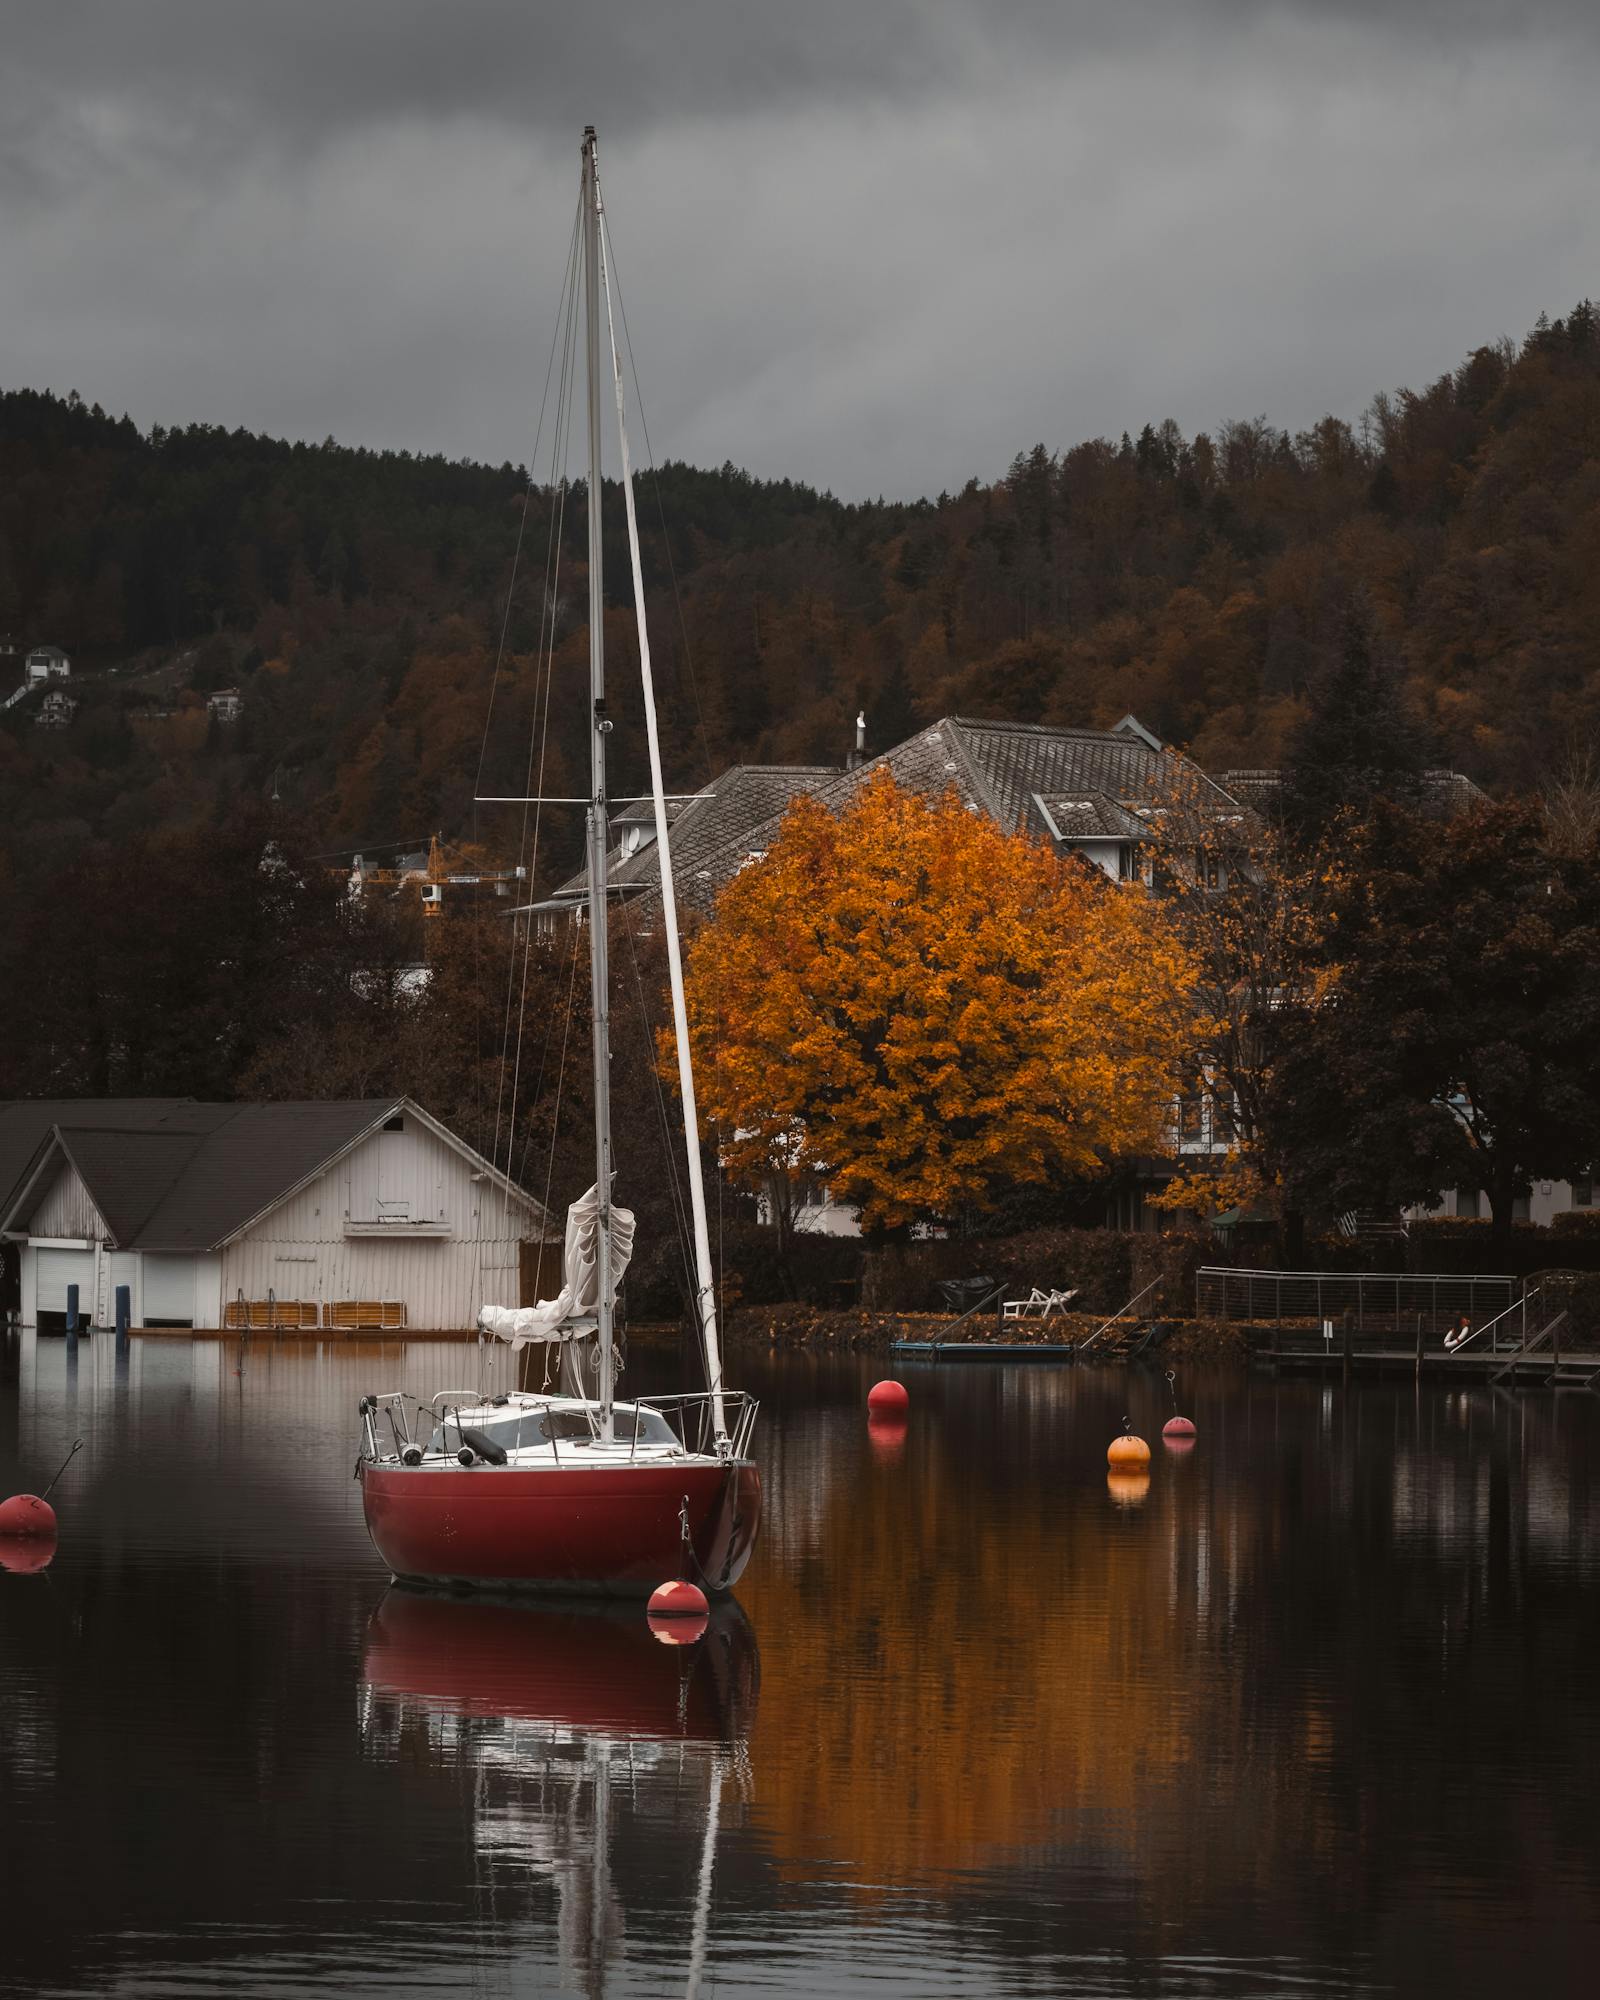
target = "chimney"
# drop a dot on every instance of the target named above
(858, 756)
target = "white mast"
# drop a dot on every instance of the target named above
(598, 827)
(705, 1291)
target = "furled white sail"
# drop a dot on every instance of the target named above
(571, 1313)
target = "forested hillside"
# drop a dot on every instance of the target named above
(357, 598)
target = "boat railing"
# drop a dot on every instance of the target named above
(693, 1418)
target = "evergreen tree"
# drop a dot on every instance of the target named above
(892, 717)
(1360, 742)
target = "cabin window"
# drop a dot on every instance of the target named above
(1583, 1194)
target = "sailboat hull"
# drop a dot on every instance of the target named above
(612, 1531)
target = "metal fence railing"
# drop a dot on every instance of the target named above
(1377, 1301)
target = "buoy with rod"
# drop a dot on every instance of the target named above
(31, 1513)
(1127, 1450)
(888, 1399)
(1176, 1426)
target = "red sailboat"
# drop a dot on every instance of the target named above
(572, 1491)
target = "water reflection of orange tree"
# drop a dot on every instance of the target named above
(927, 1750)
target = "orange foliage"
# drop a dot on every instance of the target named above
(923, 1009)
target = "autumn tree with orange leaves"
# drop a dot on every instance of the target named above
(924, 1011)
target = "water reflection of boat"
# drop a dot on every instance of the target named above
(595, 1669)
(574, 1729)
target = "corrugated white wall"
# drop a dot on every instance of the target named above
(301, 1250)
(66, 1209)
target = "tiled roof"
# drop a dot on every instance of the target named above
(1013, 761)
(708, 828)
(997, 768)
(1093, 816)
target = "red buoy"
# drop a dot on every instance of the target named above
(678, 1600)
(27, 1514)
(1178, 1427)
(888, 1399)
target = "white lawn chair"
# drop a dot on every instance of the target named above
(1038, 1304)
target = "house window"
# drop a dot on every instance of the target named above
(1583, 1194)
(395, 1124)
(1520, 1209)
(1191, 1118)
(1467, 1202)
(1222, 1121)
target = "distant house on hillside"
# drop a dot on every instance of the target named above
(56, 710)
(46, 663)
(1091, 792)
(331, 1215)
(226, 705)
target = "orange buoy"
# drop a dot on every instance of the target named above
(1127, 1451)
(1178, 1427)
(27, 1514)
(888, 1399)
(1127, 1488)
(678, 1600)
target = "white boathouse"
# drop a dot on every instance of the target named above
(338, 1216)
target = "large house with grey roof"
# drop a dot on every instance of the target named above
(1091, 792)
(336, 1216)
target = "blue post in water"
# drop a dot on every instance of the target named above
(72, 1309)
(124, 1311)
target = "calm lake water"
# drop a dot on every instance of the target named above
(1314, 1712)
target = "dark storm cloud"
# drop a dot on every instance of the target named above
(876, 243)
(300, 71)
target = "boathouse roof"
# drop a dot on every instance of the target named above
(174, 1174)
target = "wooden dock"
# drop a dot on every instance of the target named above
(1528, 1368)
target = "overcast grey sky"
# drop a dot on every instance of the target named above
(876, 244)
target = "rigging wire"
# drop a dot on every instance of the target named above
(661, 512)
(538, 731)
(669, 1149)
(527, 493)
(700, 720)
(562, 308)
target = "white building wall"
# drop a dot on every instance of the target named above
(66, 1209)
(302, 1250)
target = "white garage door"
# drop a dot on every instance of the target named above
(56, 1270)
(168, 1290)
